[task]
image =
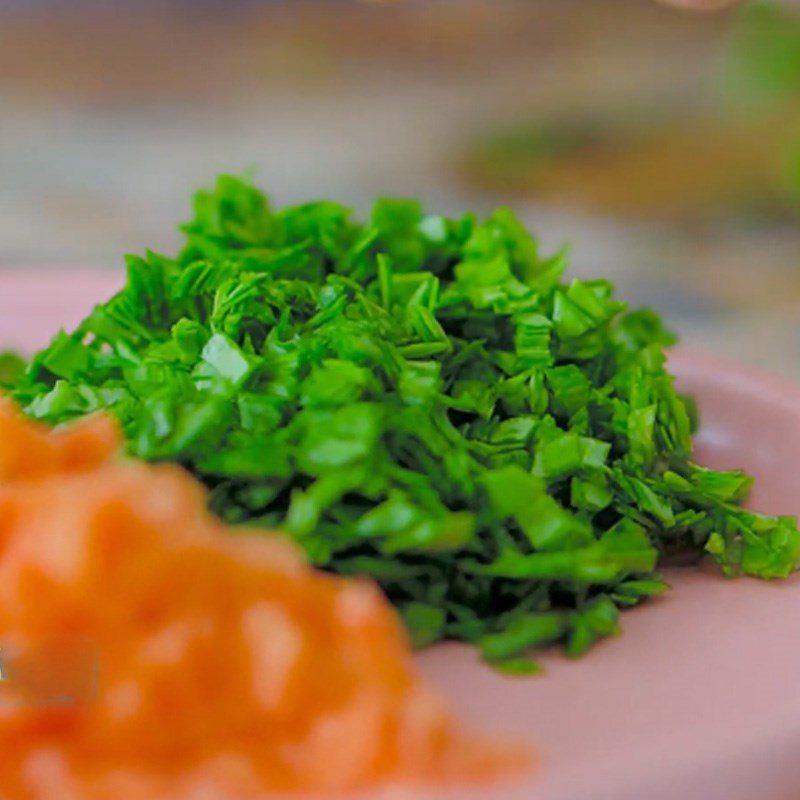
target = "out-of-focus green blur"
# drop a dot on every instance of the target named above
(664, 146)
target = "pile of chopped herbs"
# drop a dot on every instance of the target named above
(418, 399)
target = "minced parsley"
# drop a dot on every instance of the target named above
(419, 399)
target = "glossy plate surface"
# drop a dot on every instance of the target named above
(699, 699)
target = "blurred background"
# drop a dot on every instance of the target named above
(663, 146)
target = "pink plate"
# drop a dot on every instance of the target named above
(697, 700)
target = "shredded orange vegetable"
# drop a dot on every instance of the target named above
(152, 653)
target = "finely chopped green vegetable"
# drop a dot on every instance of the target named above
(12, 368)
(418, 399)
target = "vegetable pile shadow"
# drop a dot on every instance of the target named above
(418, 399)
